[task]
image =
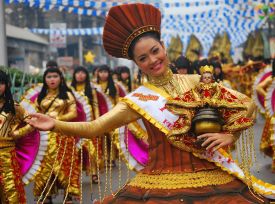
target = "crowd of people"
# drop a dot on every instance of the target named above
(172, 122)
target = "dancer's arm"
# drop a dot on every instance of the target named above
(120, 115)
(261, 87)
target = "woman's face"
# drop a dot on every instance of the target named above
(80, 76)
(150, 56)
(2, 88)
(182, 71)
(103, 75)
(53, 80)
(124, 75)
(115, 77)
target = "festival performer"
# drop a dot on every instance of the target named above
(81, 83)
(124, 80)
(183, 65)
(219, 75)
(13, 128)
(175, 172)
(60, 166)
(267, 144)
(110, 92)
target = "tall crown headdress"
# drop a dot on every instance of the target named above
(126, 22)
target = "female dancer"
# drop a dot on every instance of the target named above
(267, 141)
(124, 81)
(12, 128)
(60, 165)
(108, 89)
(176, 171)
(81, 83)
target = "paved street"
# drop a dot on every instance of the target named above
(264, 164)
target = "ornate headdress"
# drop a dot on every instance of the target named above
(126, 22)
(206, 68)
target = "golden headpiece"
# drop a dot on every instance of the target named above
(126, 22)
(206, 68)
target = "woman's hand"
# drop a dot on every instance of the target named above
(41, 121)
(215, 141)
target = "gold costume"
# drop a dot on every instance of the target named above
(111, 151)
(95, 146)
(171, 163)
(168, 162)
(267, 142)
(165, 166)
(61, 160)
(122, 114)
(11, 185)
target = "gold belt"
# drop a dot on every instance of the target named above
(5, 143)
(181, 180)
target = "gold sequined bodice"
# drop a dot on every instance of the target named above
(6, 120)
(58, 108)
(9, 125)
(80, 87)
(103, 85)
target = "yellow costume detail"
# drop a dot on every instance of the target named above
(54, 164)
(181, 180)
(88, 145)
(12, 187)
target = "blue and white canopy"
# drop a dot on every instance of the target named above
(203, 18)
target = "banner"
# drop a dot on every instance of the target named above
(69, 31)
(58, 39)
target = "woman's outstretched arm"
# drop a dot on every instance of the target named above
(120, 115)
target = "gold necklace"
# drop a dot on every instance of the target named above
(162, 79)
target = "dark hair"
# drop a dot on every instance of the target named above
(88, 88)
(8, 106)
(154, 35)
(203, 62)
(258, 58)
(63, 88)
(51, 64)
(95, 68)
(195, 66)
(125, 69)
(111, 89)
(183, 63)
(219, 77)
(267, 61)
(139, 77)
(173, 68)
(273, 68)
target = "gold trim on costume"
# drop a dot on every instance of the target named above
(182, 180)
(145, 115)
(6, 143)
(135, 34)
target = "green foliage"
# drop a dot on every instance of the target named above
(19, 78)
(20, 81)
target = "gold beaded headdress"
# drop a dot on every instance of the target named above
(126, 22)
(206, 68)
